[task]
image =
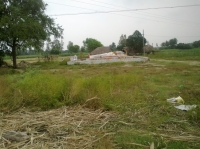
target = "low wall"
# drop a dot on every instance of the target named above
(110, 60)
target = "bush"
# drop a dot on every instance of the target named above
(183, 46)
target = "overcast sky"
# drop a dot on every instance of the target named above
(158, 24)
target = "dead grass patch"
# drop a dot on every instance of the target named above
(66, 127)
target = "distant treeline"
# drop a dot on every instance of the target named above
(173, 44)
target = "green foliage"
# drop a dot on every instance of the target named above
(90, 44)
(36, 90)
(196, 44)
(135, 42)
(170, 44)
(120, 47)
(73, 48)
(25, 24)
(83, 49)
(122, 42)
(126, 138)
(173, 43)
(113, 46)
(183, 46)
(56, 47)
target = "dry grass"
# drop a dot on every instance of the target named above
(66, 127)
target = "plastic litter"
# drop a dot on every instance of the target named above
(176, 100)
(179, 104)
(186, 107)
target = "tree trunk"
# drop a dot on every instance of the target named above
(14, 54)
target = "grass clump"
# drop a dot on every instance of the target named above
(35, 89)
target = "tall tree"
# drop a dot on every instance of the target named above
(163, 44)
(113, 46)
(76, 48)
(90, 44)
(122, 42)
(173, 43)
(24, 23)
(135, 42)
(82, 49)
(56, 46)
(73, 48)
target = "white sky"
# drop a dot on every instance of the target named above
(158, 25)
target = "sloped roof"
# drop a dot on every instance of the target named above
(100, 50)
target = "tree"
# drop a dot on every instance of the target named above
(122, 42)
(76, 48)
(170, 44)
(167, 43)
(69, 46)
(90, 44)
(48, 47)
(82, 49)
(135, 42)
(73, 48)
(183, 46)
(196, 44)
(56, 46)
(163, 44)
(23, 23)
(113, 46)
(173, 43)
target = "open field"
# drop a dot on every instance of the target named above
(176, 54)
(105, 106)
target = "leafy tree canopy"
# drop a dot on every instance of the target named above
(90, 44)
(113, 46)
(73, 48)
(122, 42)
(170, 44)
(56, 46)
(196, 44)
(135, 42)
(23, 23)
(183, 46)
(83, 49)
